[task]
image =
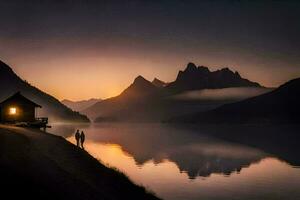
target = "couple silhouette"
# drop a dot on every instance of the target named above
(80, 137)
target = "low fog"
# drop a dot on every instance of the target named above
(237, 93)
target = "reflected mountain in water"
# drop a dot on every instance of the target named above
(221, 158)
(192, 151)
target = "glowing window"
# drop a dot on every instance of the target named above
(12, 111)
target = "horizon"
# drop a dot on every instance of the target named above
(126, 86)
(98, 48)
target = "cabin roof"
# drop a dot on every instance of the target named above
(20, 97)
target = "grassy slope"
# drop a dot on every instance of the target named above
(40, 165)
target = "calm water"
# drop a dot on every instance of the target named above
(185, 163)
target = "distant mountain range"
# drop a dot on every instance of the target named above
(11, 83)
(281, 105)
(153, 101)
(196, 78)
(80, 105)
(145, 101)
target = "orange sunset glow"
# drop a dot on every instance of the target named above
(150, 99)
(104, 77)
(101, 58)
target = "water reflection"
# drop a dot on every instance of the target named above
(180, 163)
(195, 154)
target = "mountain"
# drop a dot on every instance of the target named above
(145, 101)
(281, 105)
(80, 105)
(140, 88)
(196, 78)
(135, 102)
(11, 83)
(158, 83)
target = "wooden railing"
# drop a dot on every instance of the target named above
(43, 120)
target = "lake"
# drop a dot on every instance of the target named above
(209, 162)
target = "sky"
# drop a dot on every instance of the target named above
(86, 48)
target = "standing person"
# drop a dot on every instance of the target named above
(77, 137)
(82, 138)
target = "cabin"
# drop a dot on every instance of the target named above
(18, 108)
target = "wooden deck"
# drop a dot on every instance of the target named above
(41, 122)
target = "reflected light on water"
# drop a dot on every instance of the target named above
(265, 178)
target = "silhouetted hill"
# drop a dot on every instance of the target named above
(195, 78)
(280, 105)
(11, 83)
(158, 83)
(140, 88)
(38, 165)
(135, 101)
(80, 105)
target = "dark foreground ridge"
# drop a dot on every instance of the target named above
(37, 165)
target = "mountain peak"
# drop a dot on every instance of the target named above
(7, 74)
(2, 63)
(80, 105)
(140, 79)
(141, 82)
(203, 68)
(139, 87)
(190, 67)
(237, 74)
(227, 73)
(155, 79)
(196, 78)
(226, 69)
(4, 66)
(158, 83)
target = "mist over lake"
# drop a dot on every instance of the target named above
(224, 94)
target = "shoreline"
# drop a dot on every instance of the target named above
(43, 165)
